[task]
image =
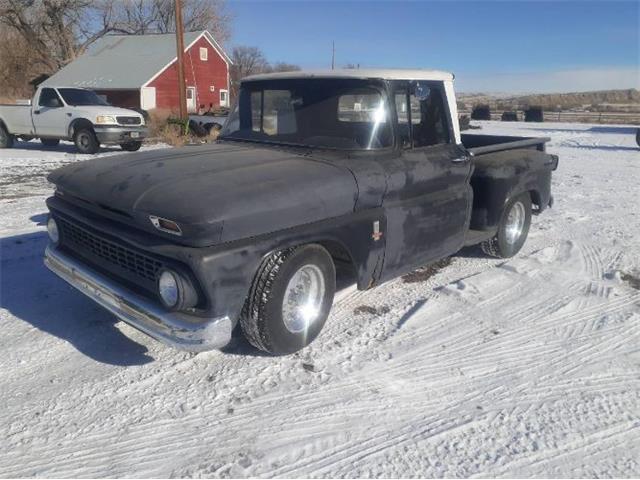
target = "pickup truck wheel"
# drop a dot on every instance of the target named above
(289, 300)
(6, 139)
(86, 141)
(50, 142)
(513, 228)
(131, 146)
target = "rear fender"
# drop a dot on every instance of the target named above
(503, 177)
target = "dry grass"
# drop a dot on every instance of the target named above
(158, 121)
(172, 135)
(161, 129)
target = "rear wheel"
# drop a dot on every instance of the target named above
(513, 228)
(131, 146)
(6, 139)
(290, 299)
(50, 142)
(86, 141)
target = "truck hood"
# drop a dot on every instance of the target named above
(215, 193)
(94, 110)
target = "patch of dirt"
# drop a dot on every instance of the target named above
(425, 273)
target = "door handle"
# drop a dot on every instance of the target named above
(460, 160)
(37, 112)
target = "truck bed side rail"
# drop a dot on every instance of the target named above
(482, 144)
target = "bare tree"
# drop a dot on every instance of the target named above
(16, 65)
(56, 29)
(246, 61)
(60, 30)
(282, 67)
(158, 16)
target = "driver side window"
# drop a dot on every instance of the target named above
(49, 98)
(422, 116)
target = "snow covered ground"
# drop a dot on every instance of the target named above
(525, 367)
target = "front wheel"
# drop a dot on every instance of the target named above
(131, 146)
(86, 141)
(6, 139)
(290, 299)
(50, 142)
(513, 228)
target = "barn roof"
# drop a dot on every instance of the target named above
(125, 61)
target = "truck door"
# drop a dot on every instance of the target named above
(49, 116)
(428, 199)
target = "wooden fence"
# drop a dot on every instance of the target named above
(579, 117)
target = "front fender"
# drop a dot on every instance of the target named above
(78, 123)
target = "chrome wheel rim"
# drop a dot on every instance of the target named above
(84, 140)
(515, 223)
(303, 297)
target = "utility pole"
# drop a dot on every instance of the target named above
(333, 54)
(182, 90)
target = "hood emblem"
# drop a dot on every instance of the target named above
(165, 225)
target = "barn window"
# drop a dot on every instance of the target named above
(204, 54)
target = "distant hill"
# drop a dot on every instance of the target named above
(603, 99)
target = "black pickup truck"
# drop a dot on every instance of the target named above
(363, 172)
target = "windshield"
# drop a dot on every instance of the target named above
(78, 96)
(333, 113)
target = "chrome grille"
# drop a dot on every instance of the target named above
(128, 120)
(107, 253)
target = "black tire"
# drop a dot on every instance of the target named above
(6, 139)
(197, 129)
(262, 319)
(131, 146)
(503, 245)
(50, 142)
(86, 141)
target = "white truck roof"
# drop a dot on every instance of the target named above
(384, 73)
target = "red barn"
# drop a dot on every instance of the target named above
(140, 71)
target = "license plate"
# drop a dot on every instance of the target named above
(135, 134)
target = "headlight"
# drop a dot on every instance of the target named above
(52, 230)
(168, 289)
(105, 120)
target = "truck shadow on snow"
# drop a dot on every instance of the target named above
(36, 146)
(31, 293)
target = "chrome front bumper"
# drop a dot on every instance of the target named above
(175, 329)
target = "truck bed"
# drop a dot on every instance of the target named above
(483, 144)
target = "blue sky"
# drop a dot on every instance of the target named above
(508, 46)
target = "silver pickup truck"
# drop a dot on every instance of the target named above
(77, 114)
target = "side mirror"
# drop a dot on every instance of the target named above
(53, 103)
